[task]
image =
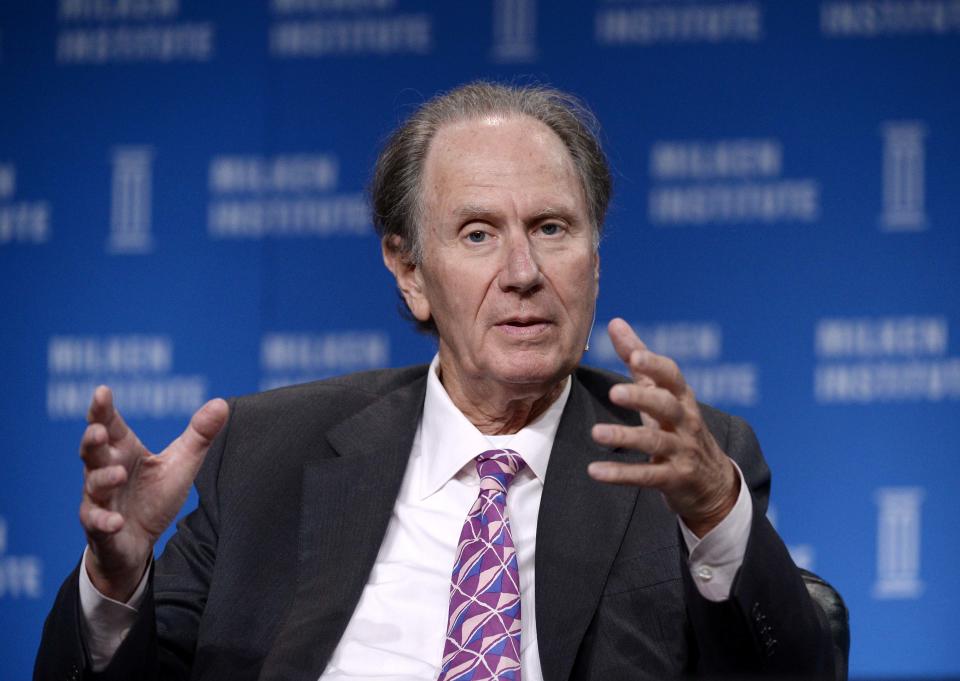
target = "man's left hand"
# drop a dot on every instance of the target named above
(698, 481)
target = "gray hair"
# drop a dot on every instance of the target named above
(396, 186)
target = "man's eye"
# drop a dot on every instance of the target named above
(477, 236)
(551, 229)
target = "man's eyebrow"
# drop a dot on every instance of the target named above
(556, 212)
(474, 210)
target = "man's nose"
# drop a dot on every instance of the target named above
(521, 269)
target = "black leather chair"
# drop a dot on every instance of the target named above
(837, 614)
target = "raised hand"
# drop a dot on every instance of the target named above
(131, 496)
(697, 479)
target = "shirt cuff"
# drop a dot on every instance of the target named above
(106, 622)
(715, 558)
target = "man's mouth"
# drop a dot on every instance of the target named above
(524, 326)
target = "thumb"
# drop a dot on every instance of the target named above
(193, 443)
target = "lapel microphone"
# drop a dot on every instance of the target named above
(593, 323)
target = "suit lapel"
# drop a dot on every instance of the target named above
(579, 531)
(346, 506)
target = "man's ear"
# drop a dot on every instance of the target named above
(399, 260)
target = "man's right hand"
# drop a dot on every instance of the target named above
(131, 496)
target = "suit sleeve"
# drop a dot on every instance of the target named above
(161, 643)
(769, 625)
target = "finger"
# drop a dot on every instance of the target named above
(94, 449)
(656, 404)
(638, 474)
(624, 339)
(101, 405)
(102, 410)
(192, 445)
(645, 382)
(98, 521)
(653, 441)
(662, 370)
(101, 483)
(643, 363)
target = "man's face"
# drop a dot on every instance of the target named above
(509, 269)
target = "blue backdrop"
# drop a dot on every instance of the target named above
(182, 216)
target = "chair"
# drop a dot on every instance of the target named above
(833, 606)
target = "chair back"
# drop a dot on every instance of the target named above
(833, 606)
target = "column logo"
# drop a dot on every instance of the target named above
(903, 177)
(131, 189)
(898, 543)
(514, 30)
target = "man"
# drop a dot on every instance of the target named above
(450, 522)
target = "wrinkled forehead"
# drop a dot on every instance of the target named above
(470, 157)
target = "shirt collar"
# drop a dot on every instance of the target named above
(448, 441)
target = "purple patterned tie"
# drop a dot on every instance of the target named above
(483, 630)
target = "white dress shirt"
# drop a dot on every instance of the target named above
(397, 631)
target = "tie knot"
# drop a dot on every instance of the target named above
(497, 468)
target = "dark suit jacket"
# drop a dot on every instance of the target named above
(295, 496)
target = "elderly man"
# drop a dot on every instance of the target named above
(454, 521)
